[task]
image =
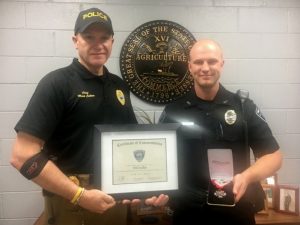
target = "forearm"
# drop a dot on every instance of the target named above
(264, 167)
(50, 176)
(53, 180)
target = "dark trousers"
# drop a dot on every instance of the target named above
(241, 214)
(59, 211)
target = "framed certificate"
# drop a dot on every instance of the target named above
(136, 160)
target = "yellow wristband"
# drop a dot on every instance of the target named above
(78, 199)
(77, 195)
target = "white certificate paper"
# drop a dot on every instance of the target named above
(139, 161)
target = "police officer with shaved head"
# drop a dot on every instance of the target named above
(54, 145)
(217, 183)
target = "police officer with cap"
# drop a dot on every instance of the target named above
(54, 145)
(218, 121)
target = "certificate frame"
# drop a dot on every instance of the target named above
(270, 190)
(158, 139)
(271, 180)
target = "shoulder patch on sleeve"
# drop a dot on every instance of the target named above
(259, 114)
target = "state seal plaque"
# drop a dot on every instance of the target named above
(154, 61)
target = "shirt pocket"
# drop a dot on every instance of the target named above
(231, 133)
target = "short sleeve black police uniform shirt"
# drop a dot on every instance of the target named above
(65, 106)
(217, 124)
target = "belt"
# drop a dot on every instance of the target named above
(82, 180)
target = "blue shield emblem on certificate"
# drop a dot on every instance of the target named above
(139, 155)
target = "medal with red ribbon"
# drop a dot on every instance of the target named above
(219, 184)
(220, 163)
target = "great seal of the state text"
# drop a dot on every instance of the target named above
(154, 61)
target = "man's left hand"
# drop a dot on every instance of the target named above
(161, 200)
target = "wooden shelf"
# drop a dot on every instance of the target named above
(277, 218)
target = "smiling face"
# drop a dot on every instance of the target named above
(94, 47)
(205, 65)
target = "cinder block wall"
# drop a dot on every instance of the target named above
(261, 41)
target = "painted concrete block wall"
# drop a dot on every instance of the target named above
(261, 41)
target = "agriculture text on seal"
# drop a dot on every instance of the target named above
(154, 61)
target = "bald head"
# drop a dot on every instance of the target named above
(207, 45)
(205, 65)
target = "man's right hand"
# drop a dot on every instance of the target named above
(96, 201)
